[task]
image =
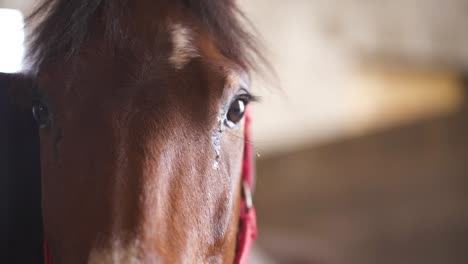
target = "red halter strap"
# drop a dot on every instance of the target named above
(248, 221)
(47, 257)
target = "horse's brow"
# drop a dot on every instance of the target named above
(237, 79)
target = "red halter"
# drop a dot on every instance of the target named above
(248, 221)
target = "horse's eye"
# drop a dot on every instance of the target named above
(236, 112)
(41, 114)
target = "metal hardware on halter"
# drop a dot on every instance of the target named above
(247, 193)
(248, 220)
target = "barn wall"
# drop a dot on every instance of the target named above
(394, 196)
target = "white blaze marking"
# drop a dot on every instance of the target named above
(183, 48)
(118, 253)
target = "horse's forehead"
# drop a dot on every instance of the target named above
(188, 42)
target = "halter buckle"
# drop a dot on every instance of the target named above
(247, 193)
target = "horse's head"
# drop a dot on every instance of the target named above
(141, 105)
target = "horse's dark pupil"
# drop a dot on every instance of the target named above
(236, 111)
(41, 114)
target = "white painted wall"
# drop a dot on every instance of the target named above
(318, 48)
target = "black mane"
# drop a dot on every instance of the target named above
(59, 27)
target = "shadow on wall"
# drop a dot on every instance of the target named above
(394, 196)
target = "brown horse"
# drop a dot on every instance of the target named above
(141, 107)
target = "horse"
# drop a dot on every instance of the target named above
(127, 136)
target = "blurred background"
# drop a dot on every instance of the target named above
(363, 148)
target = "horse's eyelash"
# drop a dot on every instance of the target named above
(254, 98)
(248, 97)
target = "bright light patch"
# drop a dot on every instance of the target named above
(11, 40)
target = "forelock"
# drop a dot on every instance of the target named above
(58, 28)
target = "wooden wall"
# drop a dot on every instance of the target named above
(399, 195)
